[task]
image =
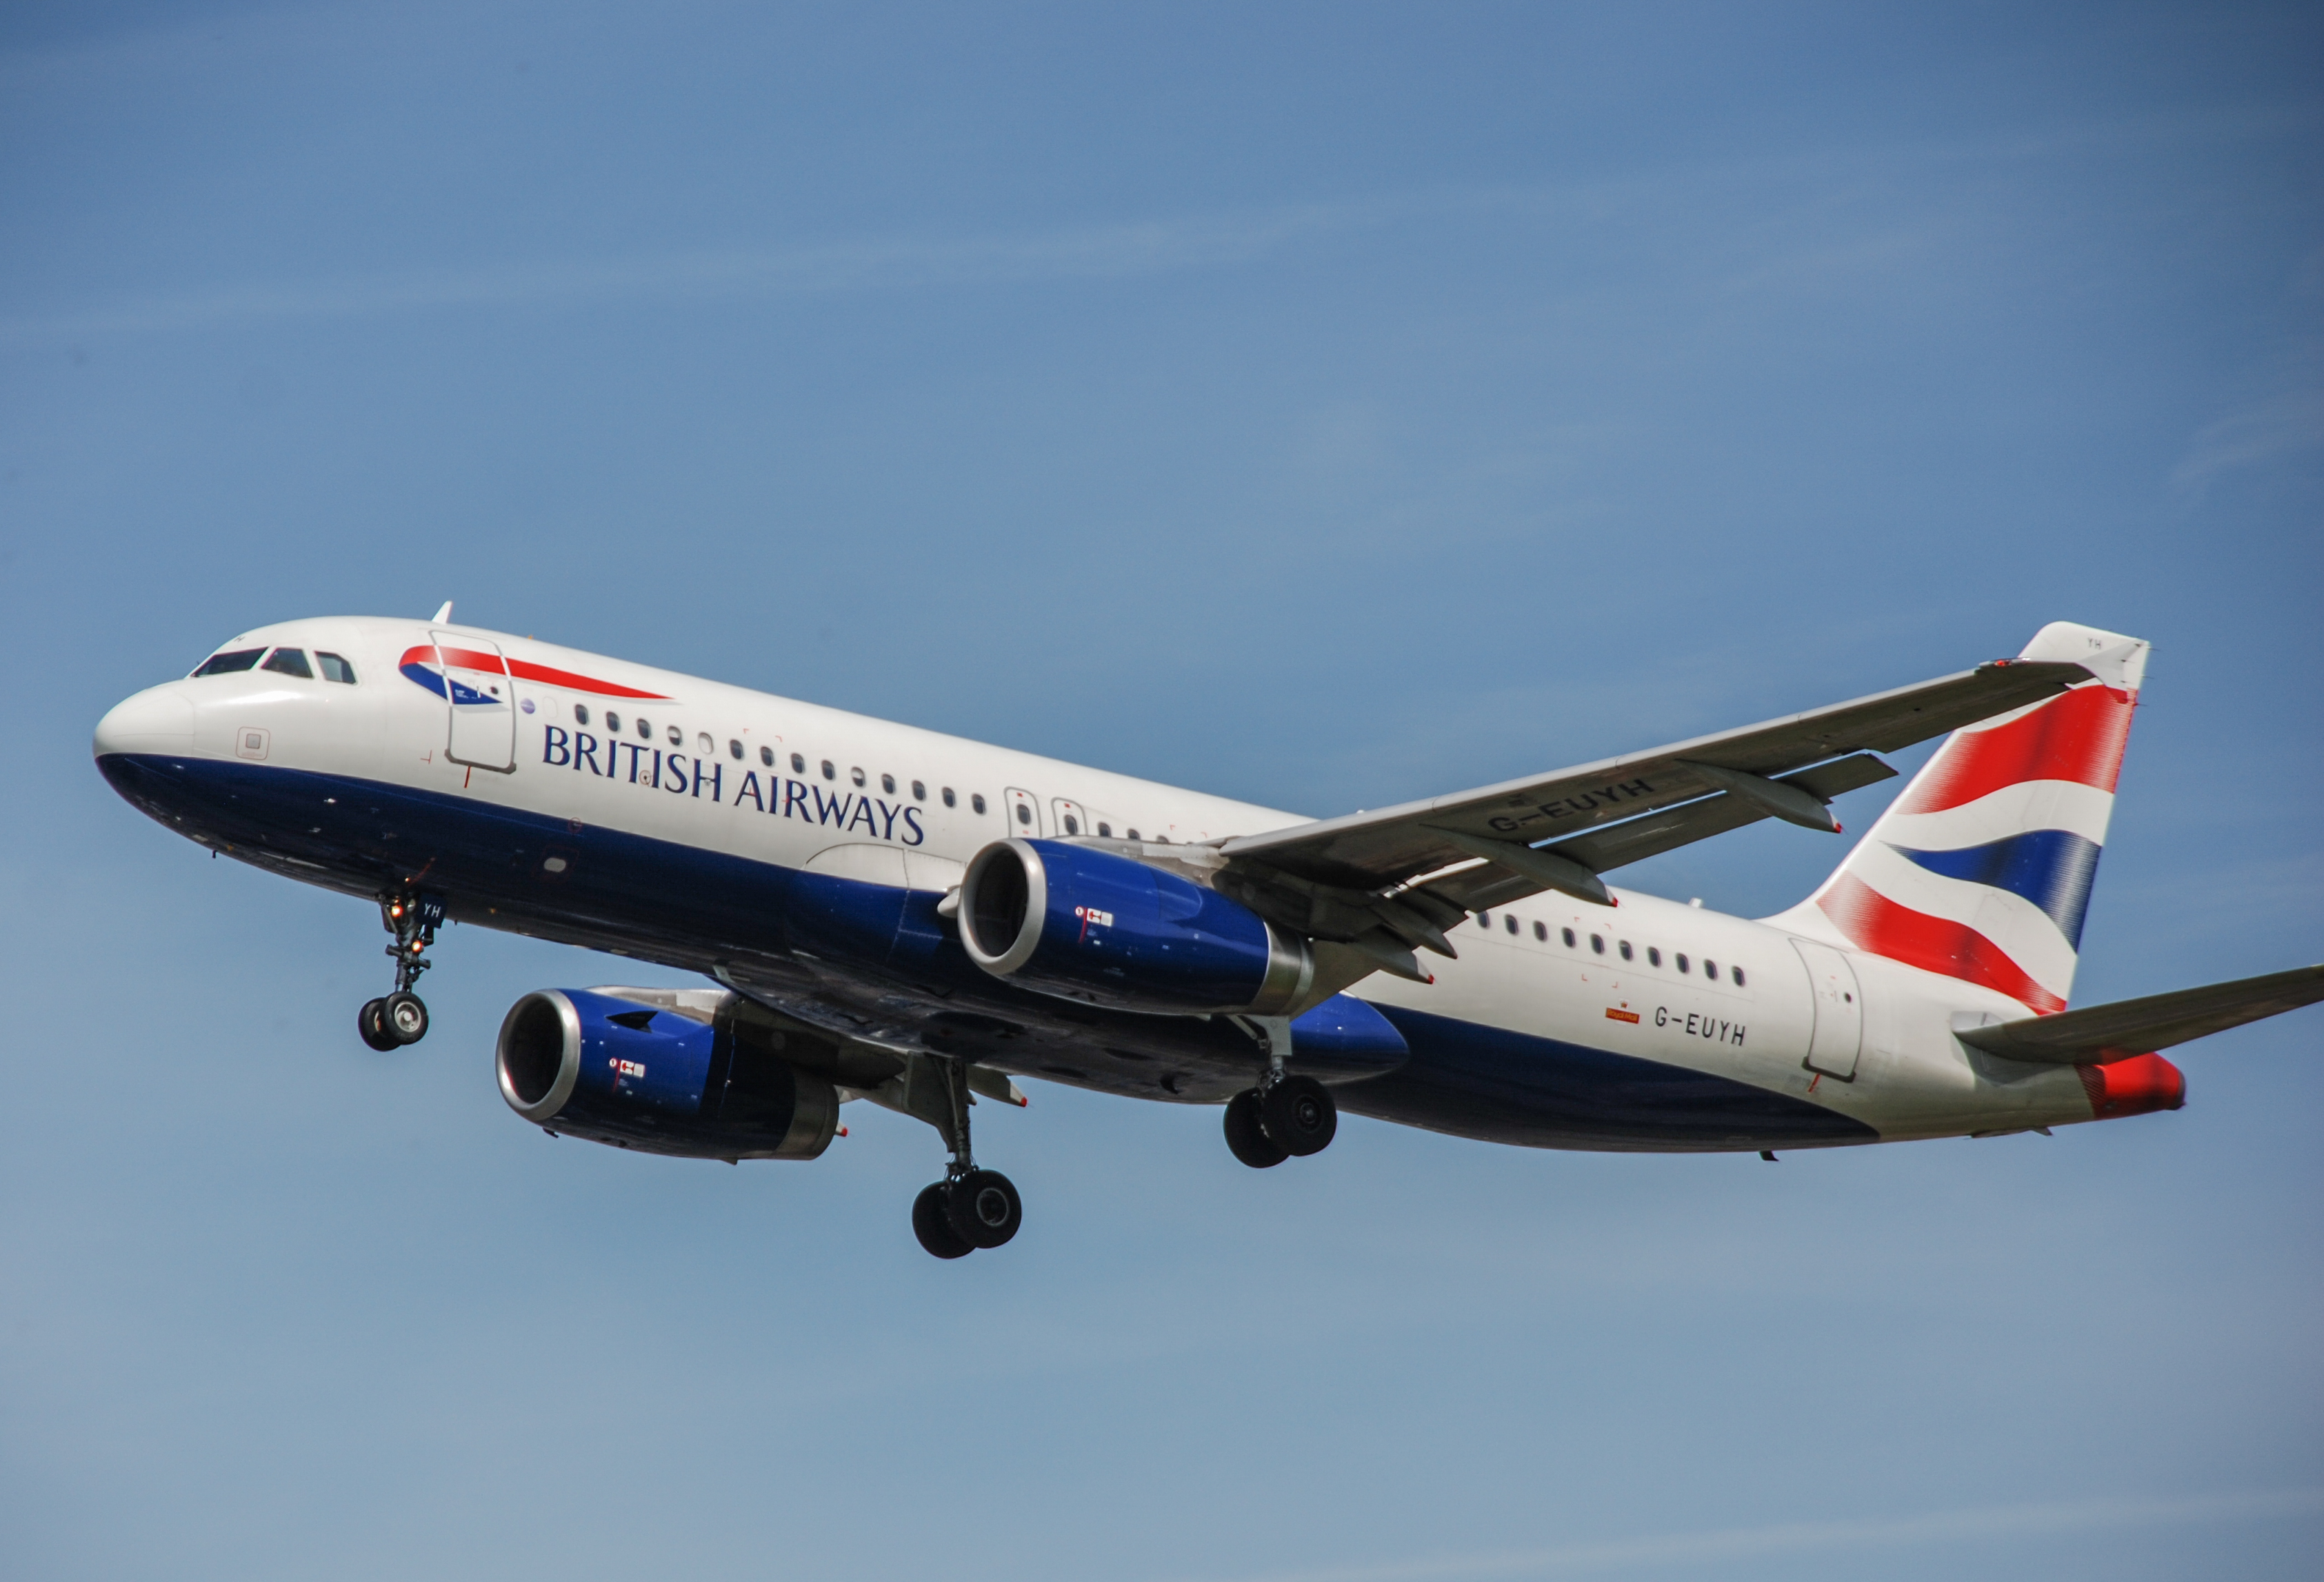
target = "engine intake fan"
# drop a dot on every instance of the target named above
(590, 1064)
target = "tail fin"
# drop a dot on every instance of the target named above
(1981, 870)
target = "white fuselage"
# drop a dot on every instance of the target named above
(730, 772)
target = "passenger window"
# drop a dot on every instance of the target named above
(887, 784)
(1626, 950)
(645, 730)
(735, 749)
(1598, 944)
(799, 763)
(920, 791)
(612, 721)
(949, 799)
(1104, 830)
(767, 757)
(1485, 920)
(1132, 834)
(581, 714)
(1710, 969)
(1655, 954)
(702, 746)
(976, 801)
(1024, 813)
(1567, 934)
(228, 663)
(678, 737)
(1510, 921)
(1540, 931)
(335, 668)
(1737, 974)
(855, 774)
(1073, 824)
(830, 770)
(289, 662)
(1680, 959)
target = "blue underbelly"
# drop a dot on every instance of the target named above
(1505, 1087)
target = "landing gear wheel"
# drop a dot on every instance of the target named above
(375, 1028)
(404, 1017)
(1248, 1140)
(983, 1209)
(1299, 1116)
(934, 1227)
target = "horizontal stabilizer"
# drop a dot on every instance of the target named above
(2141, 1026)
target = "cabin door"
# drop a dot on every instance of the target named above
(481, 701)
(1839, 1034)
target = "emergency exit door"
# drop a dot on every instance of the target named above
(1023, 811)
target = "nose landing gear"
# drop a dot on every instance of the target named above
(396, 1020)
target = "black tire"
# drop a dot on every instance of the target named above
(373, 1027)
(1299, 1116)
(1248, 1140)
(934, 1227)
(983, 1209)
(405, 1015)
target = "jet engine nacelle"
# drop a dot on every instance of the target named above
(1086, 924)
(658, 1079)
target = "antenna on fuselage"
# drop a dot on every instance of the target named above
(444, 616)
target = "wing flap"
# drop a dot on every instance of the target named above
(2102, 1033)
(1636, 839)
(1368, 850)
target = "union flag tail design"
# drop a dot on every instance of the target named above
(1981, 870)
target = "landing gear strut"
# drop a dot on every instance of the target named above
(396, 1020)
(1284, 1117)
(969, 1208)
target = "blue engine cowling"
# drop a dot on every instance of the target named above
(1088, 926)
(639, 1076)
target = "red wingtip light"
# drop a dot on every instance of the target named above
(843, 1131)
(2137, 1086)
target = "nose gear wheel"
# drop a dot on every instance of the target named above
(396, 1020)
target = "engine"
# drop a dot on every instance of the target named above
(675, 1077)
(1088, 926)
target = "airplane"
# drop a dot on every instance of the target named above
(893, 915)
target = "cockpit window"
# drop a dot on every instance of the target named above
(232, 659)
(289, 662)
(335, 668)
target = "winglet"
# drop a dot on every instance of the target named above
(444, 616)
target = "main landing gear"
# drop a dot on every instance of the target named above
(969, 1208)
(1284, 1117)
(396, 1020)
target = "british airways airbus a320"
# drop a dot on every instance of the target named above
(898, 915)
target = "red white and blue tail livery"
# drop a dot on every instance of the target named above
(1982, 870)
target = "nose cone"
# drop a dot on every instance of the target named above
(159, 719)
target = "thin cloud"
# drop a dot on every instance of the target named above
(2281, 426)
(1091, 253)
(1814, 241)
(1744, 1543)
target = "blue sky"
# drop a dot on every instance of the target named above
(1321, 405)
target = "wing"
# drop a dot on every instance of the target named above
(2141, 1026)
(1417, 870)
